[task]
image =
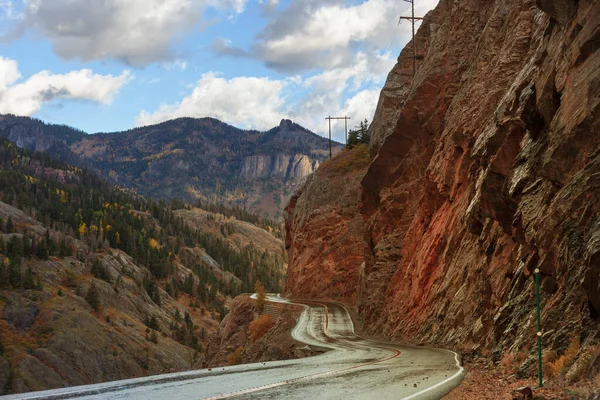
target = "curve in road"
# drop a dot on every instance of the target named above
(352, 367)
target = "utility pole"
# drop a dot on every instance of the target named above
(412, 19)
(345, 118)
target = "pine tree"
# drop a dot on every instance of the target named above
(261, 296)
(93, 297)
(10, 226)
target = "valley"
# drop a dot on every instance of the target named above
(451, 248)
(100, 284)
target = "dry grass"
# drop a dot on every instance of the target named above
(347, 161)
(548, 359)
(507, 363)
(510, 363)
(563, 363)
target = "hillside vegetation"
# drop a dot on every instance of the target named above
(189, 159)
(98, 283)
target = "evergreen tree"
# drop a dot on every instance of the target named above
(261, 296)
(29, 281)
(93, 297)
(359, 135)
(99, 270)
(10, 226)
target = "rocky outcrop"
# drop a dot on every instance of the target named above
(486, 167)
(324, 230)
(275, 343)
(283, 166)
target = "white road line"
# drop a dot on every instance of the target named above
(460, 371)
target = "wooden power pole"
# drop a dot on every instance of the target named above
(412, 19)
(346, 126)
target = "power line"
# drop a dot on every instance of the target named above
(393, 36)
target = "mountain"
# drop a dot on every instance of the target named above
(192, 159)
(482, 168)
(98, 283)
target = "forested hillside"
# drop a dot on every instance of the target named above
(131, 270)
(191, 159)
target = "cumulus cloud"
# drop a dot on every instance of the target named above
(9, 73)
(325, 34)
(242, 101)
(137, 32)
(260, 103)
(28, 97)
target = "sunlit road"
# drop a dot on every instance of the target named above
(353, 368)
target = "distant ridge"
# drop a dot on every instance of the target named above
(188, 158)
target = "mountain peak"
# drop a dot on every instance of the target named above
(286, 123)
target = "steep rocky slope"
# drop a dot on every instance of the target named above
(324, 230)
(53, 338)
(486, 166)
(268, 341)
(98, 284)
(192, 159)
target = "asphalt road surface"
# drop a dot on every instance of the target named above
(352, 368)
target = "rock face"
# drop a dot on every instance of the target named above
(275, 343)
(296, 167)
(486, 167)
(324, 230)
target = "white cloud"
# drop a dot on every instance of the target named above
(29, 96)
(242, 101)
(9, 73)
(137, 32)
(325, 34)
(7, 8)
(177, 64)
(359, 84)
(260, 103)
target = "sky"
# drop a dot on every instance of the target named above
(112, 65)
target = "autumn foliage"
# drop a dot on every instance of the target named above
(235, 358)
(259, 327)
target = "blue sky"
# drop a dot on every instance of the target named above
(112, 65)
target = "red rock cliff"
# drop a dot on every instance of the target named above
(487, 165)
(324, 230)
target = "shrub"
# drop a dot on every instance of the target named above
(548, 359)
(350, 160)
(152, 323)
(235, 358)
(259, 327)
(564, 362)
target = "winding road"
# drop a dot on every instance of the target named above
(353, 368)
